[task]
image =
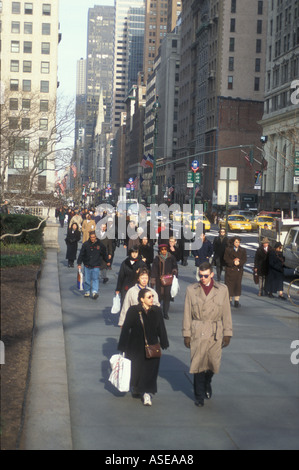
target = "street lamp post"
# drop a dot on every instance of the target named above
(155, 109)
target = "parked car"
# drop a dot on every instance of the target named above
(199, 218)
(261, 220)
(291, 248)
(236, 223)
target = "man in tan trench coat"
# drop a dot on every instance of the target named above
(207, 328)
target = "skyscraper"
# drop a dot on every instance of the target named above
(128, 32)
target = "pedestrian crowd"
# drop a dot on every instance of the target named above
(144, 288)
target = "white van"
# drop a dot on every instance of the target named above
(291, 248)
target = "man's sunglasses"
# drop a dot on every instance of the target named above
(204, 275)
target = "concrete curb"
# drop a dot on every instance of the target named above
(47, 424)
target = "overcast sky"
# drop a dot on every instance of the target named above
(73, 26)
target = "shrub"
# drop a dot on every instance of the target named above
(14, 223)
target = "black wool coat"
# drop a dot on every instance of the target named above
(274, 280)
(144, 372)
(127, 275)
(72, 238)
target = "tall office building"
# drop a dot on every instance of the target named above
(29, 43)
(221, 86)
(173, 13)
(99, 66)
(156, 19)
(280, 172)
(128, 45)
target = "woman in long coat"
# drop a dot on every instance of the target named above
(164, 263)
(144, 372)
(128, 272)
(274, 280)
(72, 238)
(235, 257)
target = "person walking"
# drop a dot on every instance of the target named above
(92, 254)
(219, 245)
(261, 264)
(163, 264)
(88, 225)
(235, 257)
(146, 252)
(61, 216)
(103, 236)
(128, 272)
(202, 254)
(174, 248)
(76, 217)
(207, 328)
(274, 279)
(131, 297)
(72, 238)
(148, 318)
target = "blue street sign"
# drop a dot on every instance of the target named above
(195, 165)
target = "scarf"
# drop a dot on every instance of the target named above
(208, 288)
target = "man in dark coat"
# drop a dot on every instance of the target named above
(235, 257)
(219, 245)
(92, 254)
(127, 275)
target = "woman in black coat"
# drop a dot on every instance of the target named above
(146, 252)
(274, 280)
(144, 372)
(127, 275)
(72, 238)
(164, 263)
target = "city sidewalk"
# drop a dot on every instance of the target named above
(71, 404)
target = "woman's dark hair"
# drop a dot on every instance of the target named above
(142, 293)
(133, 248)
(142, 271)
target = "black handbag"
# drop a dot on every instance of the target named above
(151, 350)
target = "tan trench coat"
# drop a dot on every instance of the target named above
(207, 319)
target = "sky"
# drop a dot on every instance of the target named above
(73, 26)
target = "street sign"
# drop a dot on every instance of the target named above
(195, 165)
(190, 179)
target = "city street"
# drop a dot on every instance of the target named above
(255, 396)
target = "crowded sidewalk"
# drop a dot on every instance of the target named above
(71, 404)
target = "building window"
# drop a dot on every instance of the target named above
(42, 180)
(27, 47)
(232, 25)
(230, 81)
(256, 84)
(43, 144)
(14, 65)
(46, 9)
(27, 66)
(44, 106)
(231, 64)
(233, 6)
(16, 7)
(27, 28)
(26, 85)
(13, 122)
(258, 46)
(46, 29)
(26, 104)
(25, 123)
(15, 46)
(28, 8)
(15, 27)
(14, 85)
(44, 86)
(43, 124)
(45, 67)
(260, 7)
(257, 65)
(45, 48)
(259, 27)
(231, 44)
(13, 104)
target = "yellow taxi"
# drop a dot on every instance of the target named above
(199, 218)
(261, 220)
(236, 223)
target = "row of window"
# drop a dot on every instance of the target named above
(260, 6)
(28, 28)
(16, 182)
(28, 8)
(15, 47)
(232, 42)
(25, 104)
(27, 66)
(14, 123)
(26, 85)
(230, 83)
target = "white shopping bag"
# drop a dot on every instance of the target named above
(80, 283)
(120, 376)
(116, 304)
(175, 287)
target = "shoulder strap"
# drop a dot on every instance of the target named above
(141, 319)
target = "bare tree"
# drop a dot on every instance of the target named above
(32, 128)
